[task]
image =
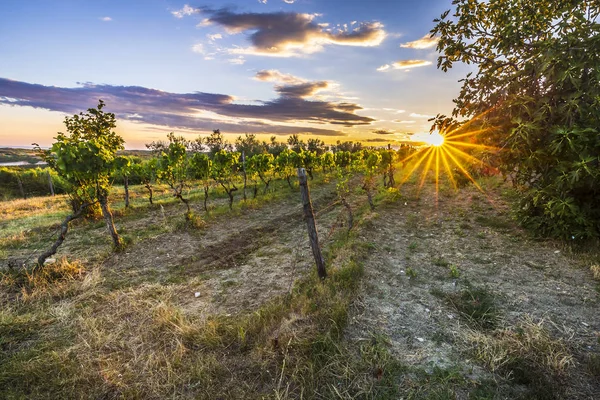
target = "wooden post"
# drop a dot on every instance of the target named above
(310, 224)
(244, 170)
(50, 184)
(20, 182)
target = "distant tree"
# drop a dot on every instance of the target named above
(85, 158)
(123, 169)
(224, 171)
(173, 168)
(535, 94)
(310, 162)
(215, 143)
(146, 173)
(200, 168)
(368, 166)
(285, 166)
(274, 147)
(316, 145)
(388, 167)
(343, 159)
(262, 164)
(249, 145)
(327, 161)
(296, 144)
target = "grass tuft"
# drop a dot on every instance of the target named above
(526, 354)
(476, 305)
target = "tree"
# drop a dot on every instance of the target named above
(224, 171)
(327, 161)
(123, 169)
(274, 147)
(388, 167)
(368, 166)
(316, 145)
(215, 143)
(85, 157)
(536, 95)
(173, 168)
(296, 143)
(262, 165)
(249, 145)
(200, 168)
(146, 173)
(285, 166)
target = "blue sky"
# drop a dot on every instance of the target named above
(338, 69)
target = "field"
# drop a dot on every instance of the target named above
(429, 296)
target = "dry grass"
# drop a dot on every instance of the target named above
(526, 354)
(595, 270)
(20, 208)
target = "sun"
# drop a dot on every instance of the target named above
(434, 139)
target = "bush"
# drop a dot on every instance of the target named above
(34, 181)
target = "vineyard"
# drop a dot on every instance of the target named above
(189, 273)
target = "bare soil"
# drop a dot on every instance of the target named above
(473, 233)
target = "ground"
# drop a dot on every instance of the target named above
(432, 295)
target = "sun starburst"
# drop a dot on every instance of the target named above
(450, 153)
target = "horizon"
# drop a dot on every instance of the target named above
(344, 70)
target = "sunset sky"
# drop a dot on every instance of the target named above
(338, 69)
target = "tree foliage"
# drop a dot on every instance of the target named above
(536, 95)
(86, 158)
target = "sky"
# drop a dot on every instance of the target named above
(334, 69)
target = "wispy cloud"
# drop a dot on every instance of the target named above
(106, 19)
(187, 110)
(415, 115)
(186, 10)
(401, 121)
(383, 132)
(237, 60)
(214, 37)
(404, 64)
(424, 43)
(273, 75)
(287, 34)
(198, 48)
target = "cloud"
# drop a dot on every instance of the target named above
(424, 43)
(404, 64)
(188, 110)
(186, 10)
(287, 34)
(273, 75)
(106, 19)
(399, 121)
(383, 132)
(415, 115)
(237, 61)
(198, 48)
(214, 37)
(289, 1)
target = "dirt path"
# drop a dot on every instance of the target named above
(236, 263)
(426, 252)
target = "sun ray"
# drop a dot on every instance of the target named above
(448, 170)
(426, 168)
(463, 170)
(473, 145)
(437, 175)
(416, 165)
(451, 136)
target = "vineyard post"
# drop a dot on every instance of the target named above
(310, 224)
(20, 182)
(244, 170)
(50, 183)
